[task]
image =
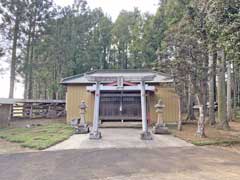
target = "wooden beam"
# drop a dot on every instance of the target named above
(125, 88)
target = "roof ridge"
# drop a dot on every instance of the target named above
(71, 77)
(126, 70)
(167, 76)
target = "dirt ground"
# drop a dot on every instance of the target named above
(213, 135)
(9, 148)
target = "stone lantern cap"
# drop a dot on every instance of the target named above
(160, 104)
(83, 105)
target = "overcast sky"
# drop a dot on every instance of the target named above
(110, 7)
(113, 7)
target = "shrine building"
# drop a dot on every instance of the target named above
(121, 95)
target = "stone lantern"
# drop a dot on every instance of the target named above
(160, 127)
(80, 125)
(83, 110)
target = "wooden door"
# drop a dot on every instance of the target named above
(120, 107)
(131, 107)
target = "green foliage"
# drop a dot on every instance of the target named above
(57, 42)
(78, 39)
(40, 137)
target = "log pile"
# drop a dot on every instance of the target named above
(30, 109)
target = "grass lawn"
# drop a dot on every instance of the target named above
(39, 137)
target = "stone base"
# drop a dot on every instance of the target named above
(82, 130)
(146, 136)
(160, 129)
(95, 135)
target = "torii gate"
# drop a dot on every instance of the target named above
(95, 133)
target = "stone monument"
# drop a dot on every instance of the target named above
(160, 127)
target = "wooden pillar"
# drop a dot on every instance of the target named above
(95, 134)
(146, 135)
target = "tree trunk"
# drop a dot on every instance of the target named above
(125, 55)
(202, 110)
(202, 100)
(221, 92)
(45, 89)
(27, 66)
(212, 75)
(179, 115)
(190, 115)
(229, 92)
(103, 59)
(201, 123)
(235, 82)
(14, 57)
(30, 77)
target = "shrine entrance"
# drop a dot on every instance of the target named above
(129, 104)
(120, 106)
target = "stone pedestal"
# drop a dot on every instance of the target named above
(95, 135)
(146, 136)
(82, 129)
(160, 127)
(79, 128)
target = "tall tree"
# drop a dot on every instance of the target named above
(38, 12)
(222, 115)
(212, 84)
(223, 19)
(99, 39)
(122, 37)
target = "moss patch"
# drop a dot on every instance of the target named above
(40, 137)
(217, 142)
